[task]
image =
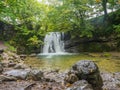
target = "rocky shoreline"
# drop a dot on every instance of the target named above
(15, 75)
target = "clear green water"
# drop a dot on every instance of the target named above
(64, 62)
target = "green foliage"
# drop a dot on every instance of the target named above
(10, 47)
(34, 41)
(71, 16)
(27, 17)
(33, 19)
(117, 30)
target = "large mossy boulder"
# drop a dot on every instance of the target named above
(85, 70)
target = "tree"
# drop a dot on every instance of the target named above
(71, 16)
(33, 19)
(26, 16)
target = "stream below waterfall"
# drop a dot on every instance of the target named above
(106, 61)
(53, 56)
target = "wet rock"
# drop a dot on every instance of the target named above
(1, 68)
(25, 74)
(80, 85)
(33, 55)
(35, 75)
(85, 67)
(55, 70)
(111, 81)
(117, 76)
(19, 66)
(1, 51)
(23, 56)
(20, 74)
(87, 70)
(71, 78)
(11, 64)
(15, 56)
(5, 56)
(54, 77)
(7, 78)
(10, 58)
(49, 80)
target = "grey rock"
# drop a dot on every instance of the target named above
(111, 81)
(85, 67)
(25, 74)
(33, 55)
(71, 78)
(11, 64)
(80, 85)
(19, 66)
(20, 74)
(35, 75)
(1, 68)
(1, 51)
(87, 70)
(7, 78)
(22, 56)
(54, 76)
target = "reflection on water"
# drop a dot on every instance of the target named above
(64, 62)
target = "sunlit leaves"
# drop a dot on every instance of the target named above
(98, 1)
(34, 19)
(34, 41)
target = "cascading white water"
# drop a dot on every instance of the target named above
(53, 43)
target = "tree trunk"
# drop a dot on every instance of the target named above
(104, 4)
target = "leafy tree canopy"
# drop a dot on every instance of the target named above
(32, 19)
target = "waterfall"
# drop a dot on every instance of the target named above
(53, 43)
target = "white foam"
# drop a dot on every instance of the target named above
(56, 54)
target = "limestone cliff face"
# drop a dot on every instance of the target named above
(78, 44)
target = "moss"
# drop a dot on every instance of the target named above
(97, 47)
(106, 54)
